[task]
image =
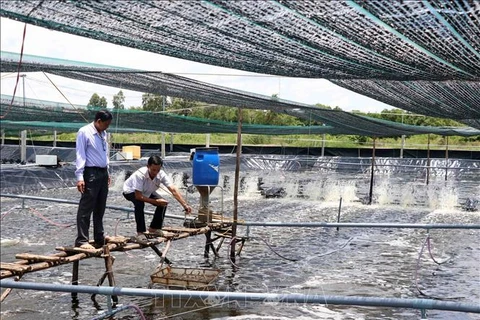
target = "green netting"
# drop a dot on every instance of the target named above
(38, 114)
(389, 40)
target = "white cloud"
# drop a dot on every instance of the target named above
(47, 43)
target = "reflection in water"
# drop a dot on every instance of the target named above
(370, 262)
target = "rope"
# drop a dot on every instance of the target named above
(427, 242)
(38, 214)
(275, 251)
(58, 89)
(130, 306)
(18, 73)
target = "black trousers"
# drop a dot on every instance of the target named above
(158, 217)
(93, 200)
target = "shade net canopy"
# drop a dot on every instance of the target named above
(389, 40)
(420, 56)
(336, 121)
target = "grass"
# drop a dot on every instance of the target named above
(304, 141)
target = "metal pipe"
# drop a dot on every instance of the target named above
(361, 225)
(24, 197)
(287, 224)
(249, 296)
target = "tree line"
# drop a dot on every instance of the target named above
(158, 103)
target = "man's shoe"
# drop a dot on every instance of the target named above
(142, 239)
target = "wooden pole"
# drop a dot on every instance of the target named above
(370, 196)
(8, 290)
(109, 269)
(235, 191)
(75, 280)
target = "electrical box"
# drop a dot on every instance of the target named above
(135, 150)
(46, 160)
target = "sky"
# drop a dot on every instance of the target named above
(53, 44)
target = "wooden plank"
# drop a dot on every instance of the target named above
(14, 267)
(37, 257)
(93, 252)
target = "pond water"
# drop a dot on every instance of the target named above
(367, 262)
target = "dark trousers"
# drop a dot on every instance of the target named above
(94, 199)
(159, 215)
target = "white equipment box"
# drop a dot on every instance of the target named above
(46, 160)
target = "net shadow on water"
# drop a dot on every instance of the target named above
(369, 262)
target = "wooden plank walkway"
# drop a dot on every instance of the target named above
(28, 262)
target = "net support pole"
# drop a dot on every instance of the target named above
(163, 133)
(163, 145)
(370, 195)
(446, 158)
(171, 141)
(235, 191)
(54, 138)
(3, 137)
(207, 140)
(23, 146)
(402, 146)
(323, 145)
(428, 160)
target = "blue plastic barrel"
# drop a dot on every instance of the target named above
(206, 163)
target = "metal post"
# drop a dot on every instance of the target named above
(23, 146)
(3, 137)
(171, 142)
(163, 145)
(402, 146)
(163, 133)
(54, 138)
(323, 145)
(207, 142)
(339, 211)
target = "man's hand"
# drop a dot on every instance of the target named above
(188, 209)
(81, 186)
(161, 202)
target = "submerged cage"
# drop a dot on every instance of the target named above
(188, 278)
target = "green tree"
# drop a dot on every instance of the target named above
(118, 100)
(153, 102)
(185, 106)
(97, 102)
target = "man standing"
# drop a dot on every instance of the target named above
(141, 187)
(92, 178)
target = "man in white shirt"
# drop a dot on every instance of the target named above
(142, 187)
(92, 178)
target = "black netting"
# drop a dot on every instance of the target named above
(44, 114)
(392, 40)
